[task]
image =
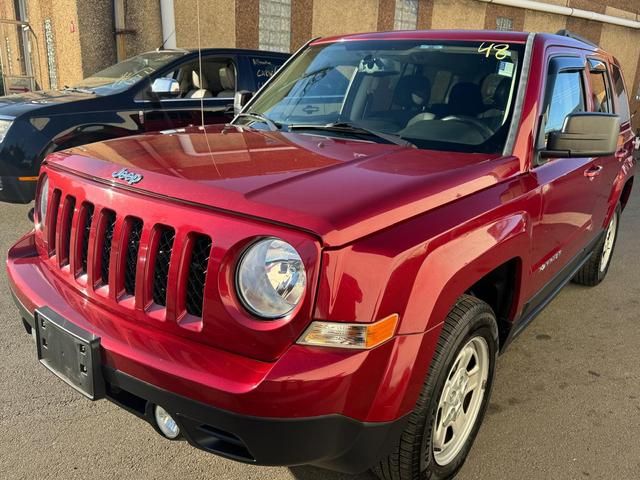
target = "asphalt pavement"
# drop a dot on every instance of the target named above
(566, 402)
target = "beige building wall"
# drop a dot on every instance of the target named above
(64, 19)
(144, 13)
(96, 34)
(217, 23)
(334, 17)
(543, 22)
(466, 14)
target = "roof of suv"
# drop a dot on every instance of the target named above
(469, 35)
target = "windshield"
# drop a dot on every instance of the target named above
(121, 76)
(455, 96)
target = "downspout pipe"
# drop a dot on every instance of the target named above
(168, 24)
(120, 29)
(568, 12)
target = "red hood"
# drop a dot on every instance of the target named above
(339, 189)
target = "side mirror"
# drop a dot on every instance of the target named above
(165, 87)
(584, 135)
(241, 98)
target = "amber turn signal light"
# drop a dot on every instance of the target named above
(350, 335)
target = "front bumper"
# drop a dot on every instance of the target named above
(332, 441)
(337, 409)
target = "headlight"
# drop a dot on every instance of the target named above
(271, 278)
(4, 127)
(43, 200)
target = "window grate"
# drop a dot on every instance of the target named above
(275, 25)
(504, 24)
(406, 16)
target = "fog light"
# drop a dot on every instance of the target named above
(166, 423)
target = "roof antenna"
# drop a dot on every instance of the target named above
(161, 47)
(204, 131)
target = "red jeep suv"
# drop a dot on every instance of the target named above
(330, 278)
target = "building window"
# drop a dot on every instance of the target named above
(275, 25)
(51, 55)
(406, 15)
(504, 23)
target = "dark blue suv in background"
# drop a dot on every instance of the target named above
(158, 90)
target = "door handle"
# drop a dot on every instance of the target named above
(621, 154)
(593, 171)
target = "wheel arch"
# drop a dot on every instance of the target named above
(497, 251)
(626, 193)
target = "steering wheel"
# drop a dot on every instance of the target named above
(486, 131)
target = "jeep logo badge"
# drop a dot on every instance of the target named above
(129, 177)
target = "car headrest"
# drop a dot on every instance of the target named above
(412, 92)
(227, 78)
(198, 81)
(501, 94)
(465, 98)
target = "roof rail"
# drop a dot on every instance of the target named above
(575, 36)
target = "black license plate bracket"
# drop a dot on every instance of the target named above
(69, 352)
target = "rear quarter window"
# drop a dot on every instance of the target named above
(600, 92)
(263, 68)
(621, 94)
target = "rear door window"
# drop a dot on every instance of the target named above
(621, 95)
(565, 96)
(600, 90)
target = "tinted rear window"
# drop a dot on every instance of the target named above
(621, 94)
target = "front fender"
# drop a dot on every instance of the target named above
(421, 283)
(453, 266)
(419, 268)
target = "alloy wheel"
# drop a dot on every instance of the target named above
(460, 400)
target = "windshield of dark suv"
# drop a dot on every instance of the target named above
(442, 95)
(119, 77)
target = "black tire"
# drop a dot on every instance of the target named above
(413, 456)
(591, 273)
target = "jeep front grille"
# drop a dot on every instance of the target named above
(123, 243)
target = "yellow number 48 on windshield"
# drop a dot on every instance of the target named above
(499, 50)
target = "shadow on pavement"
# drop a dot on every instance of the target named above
(314, 473)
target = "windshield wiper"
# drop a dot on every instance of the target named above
(347, 127)
(77, 89)
(273, 126)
